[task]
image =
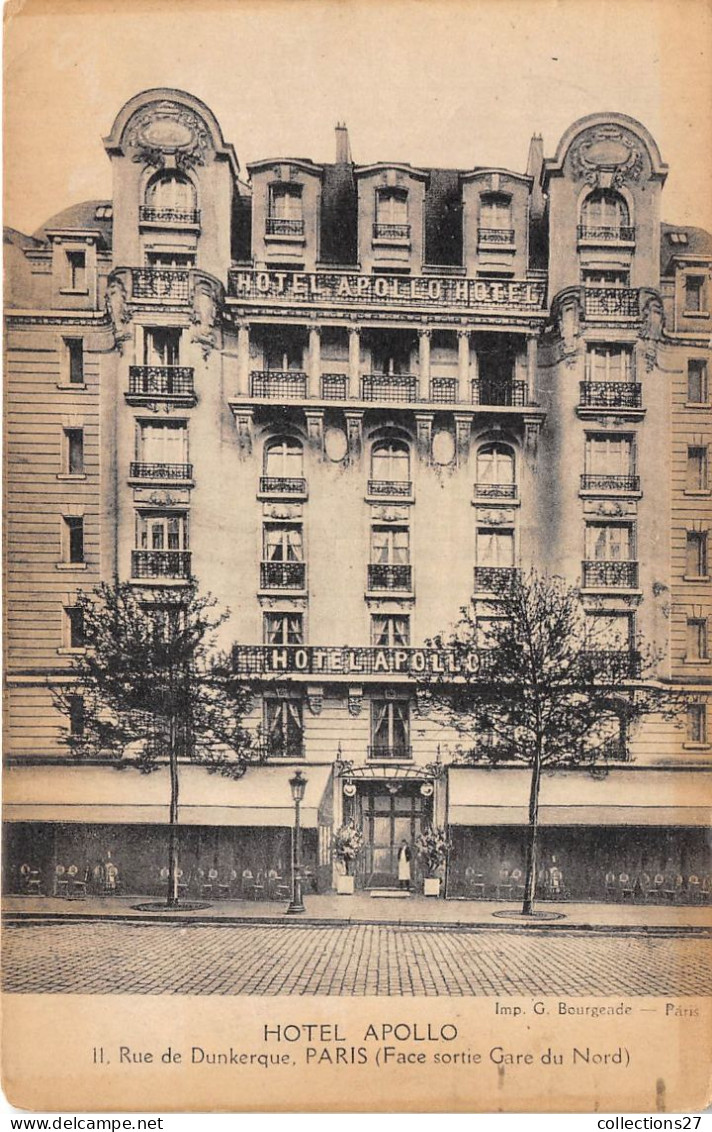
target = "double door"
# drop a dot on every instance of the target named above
(388, 818)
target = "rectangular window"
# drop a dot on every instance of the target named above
(164, 442)
(609, 455)
(284, 728)
(73, 539)
(390, 630)
(76, 271)
(696, 554)
(609, 542)
(74, 635)
(283, 629)
(75, 358)
(610, 632)
(391, 206)
(161, 347)
(390, 727)
(609, 363)
(285, 202)
(495, 547)
(283, 542)
(697, 724)
(697, 470)
(694, 293)
(162, 532)
(697, 638)
(74, 451)
(76, 716)
(390, 546)
(596, 277)
(697, 387)
(170, 260)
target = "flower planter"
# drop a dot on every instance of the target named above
(344, 886)
(431, 886)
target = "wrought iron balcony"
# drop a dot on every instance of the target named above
(283, 485)
(172, 217)
(493, 579)
(610, 575)
(160, 563)
(611, 663)
(402, 488)
(444, 390)
(605, 233)
(281, 749)
(278, 385)
(495, 235)
(504, 391)
(611, 395)
(602, 301)
(391, 231)
(334, 386)
(389, 387)
(496, 490)
(613, 483)
(386, 576)
(283, 575)
(399, 753)
(160, 283)
(161, 381)
(140, 470)
(283, 226)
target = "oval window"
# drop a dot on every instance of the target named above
(443, 447)
(335, 444)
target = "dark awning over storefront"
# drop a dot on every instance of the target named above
(648, 796)
(97, 794)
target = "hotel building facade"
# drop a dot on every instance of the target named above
(347, 399)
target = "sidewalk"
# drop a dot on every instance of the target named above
(364, 909)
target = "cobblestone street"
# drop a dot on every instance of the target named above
(106, 957)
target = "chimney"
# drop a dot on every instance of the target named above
(535, 164)
(343, 149)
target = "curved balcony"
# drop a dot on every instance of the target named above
(387, 576)
(283, 575)
(173, 383)
(611, 395)
(606, 233)
(169, 217)
(494, 579)
(164, 283)
(160, 564)
(603, 302)
(610, 575)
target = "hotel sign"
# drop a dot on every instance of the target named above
(350, 289)
(310, 660)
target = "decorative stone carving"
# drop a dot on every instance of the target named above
(243, 422)
(424, 432)
(204, 316)
(282, 511)
(355, 700)
(157, 498)
(532, 428)
(389, 514)
(606, 157)
(168, 135)
(315, 428)
(463, 431)
(610, 508)
(118, 311)
(568, 319)
(354, 432)
(423, 701)
(495, 517)
(315, 699)
(651, 329)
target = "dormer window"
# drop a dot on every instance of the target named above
(77, 271)
(694, 294)
(170, 198)
(605, 216)
(286, 216)
(496, 219)
(391, 215)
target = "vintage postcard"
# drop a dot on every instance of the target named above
(358, 424)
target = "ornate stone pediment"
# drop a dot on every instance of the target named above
(606, 157)
(168, 135)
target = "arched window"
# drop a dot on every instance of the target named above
(604, 215)
(284, 457)
(495, 471)
(390, 461)
(170, 192)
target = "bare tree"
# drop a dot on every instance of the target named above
(150, 687)
(540, 686)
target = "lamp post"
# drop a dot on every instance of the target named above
(298, 785)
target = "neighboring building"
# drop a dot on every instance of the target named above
(347, 398)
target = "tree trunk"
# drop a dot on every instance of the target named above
(173, 818)
(531, 858)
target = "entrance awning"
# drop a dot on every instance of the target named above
(644, 796)
(98, 794)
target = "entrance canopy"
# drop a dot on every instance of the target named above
(648, 796)
(98, 794)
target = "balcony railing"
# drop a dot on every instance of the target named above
(611, 395)
(610, 575)
(160, 563)
(169, 216)
(334, 386)
(612, 663)
(618, 233)
(391, 231)
(494, 578)
(605, 482)
(278, 385)
(444, 390)
(161, 381)
(161, 283)
(620, 301)
(283, 575)
(389, 387)
(281, 226)
(385, 576)
(495, 235)
(287, 749)
(390, 487)
(140, 470)
(390, 754)
(283, 485)
(505, 392)
(496, 490)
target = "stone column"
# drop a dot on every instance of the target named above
(424, 364)
(354, 390)
(314, 371)
(243, 359)
(463, 366)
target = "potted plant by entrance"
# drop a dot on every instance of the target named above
(347, 844)
(432, 847)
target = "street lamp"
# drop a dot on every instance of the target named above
(298, 785)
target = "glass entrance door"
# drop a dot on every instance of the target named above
(387, 819)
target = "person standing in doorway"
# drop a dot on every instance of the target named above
(404, 857)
